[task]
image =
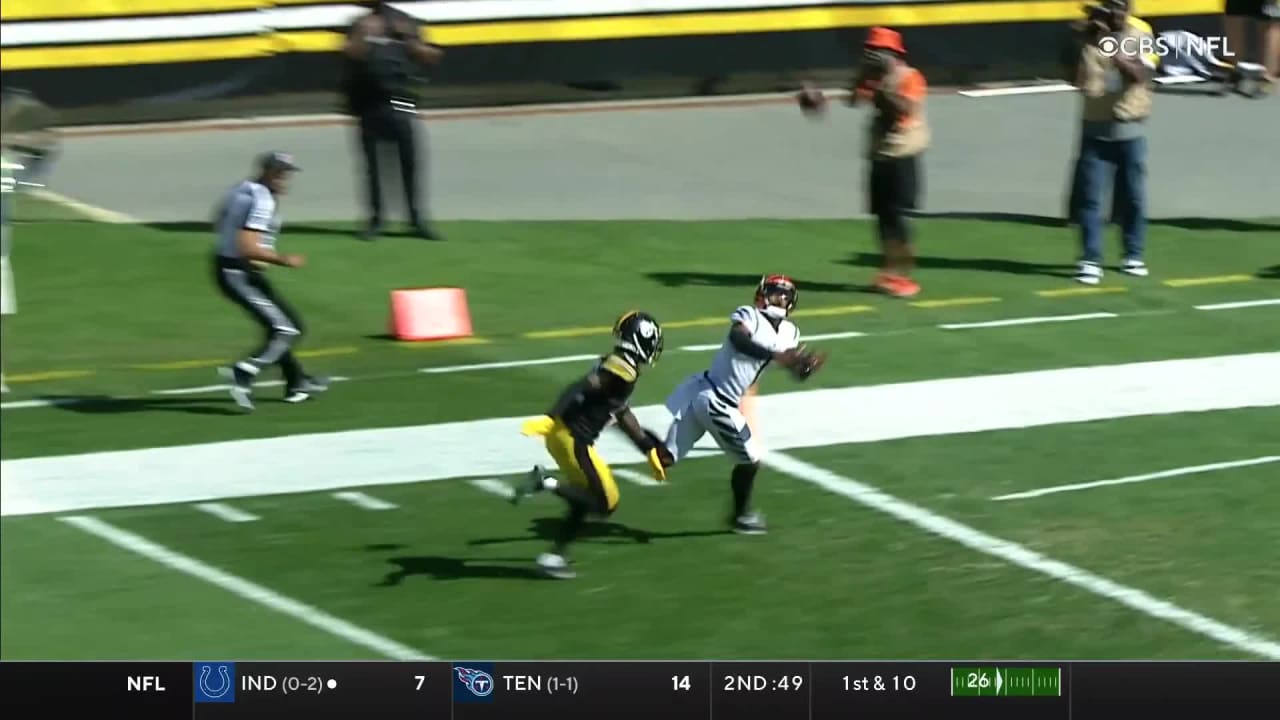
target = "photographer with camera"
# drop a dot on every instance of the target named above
(383, 48)
(1114, 76)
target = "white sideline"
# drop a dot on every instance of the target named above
(367, 502)
(1024, 557)
(494, 447)
(245, 589)
(1027, 321)
(1176, 472)
(222, 511)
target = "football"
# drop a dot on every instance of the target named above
(803, 363)
(812, 102)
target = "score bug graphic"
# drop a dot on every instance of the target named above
(473, 682)
(215, 682)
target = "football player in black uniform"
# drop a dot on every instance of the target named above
(574, 423)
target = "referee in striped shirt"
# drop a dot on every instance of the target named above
(247, 224)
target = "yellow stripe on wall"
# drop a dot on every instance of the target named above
(11, 10)
(581, 29)
(148, 53)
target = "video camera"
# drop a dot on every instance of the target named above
(1101, 16)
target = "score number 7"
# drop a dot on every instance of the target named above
(421, 679)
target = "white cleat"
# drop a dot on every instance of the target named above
(1136, 268)
(1089, 273)
(241, 386)
(555, 566)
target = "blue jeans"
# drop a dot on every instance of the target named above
(1101, 163)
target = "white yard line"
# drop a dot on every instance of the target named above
(245, 589)
(1239, 305)
(1027, 321)
(509, 364)
(832, 336)
(222, 511)
(367, 502)
(1024, 557)
(1176, 472)
(202, 389)
(635, 477)
(41, 403)
(803, 338)
(493, 487)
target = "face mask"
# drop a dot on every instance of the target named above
(774, 312)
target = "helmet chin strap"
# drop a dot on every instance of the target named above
(774, 312)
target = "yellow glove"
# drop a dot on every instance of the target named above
(538, 427)
(656, 467)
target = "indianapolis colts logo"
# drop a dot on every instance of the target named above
(215, 688)
(479, 682)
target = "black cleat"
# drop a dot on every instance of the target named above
(532, 484)
(371, 231)
(751, 523)
(425, 231)
(241, 386)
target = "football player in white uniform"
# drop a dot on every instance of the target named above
(711, 401)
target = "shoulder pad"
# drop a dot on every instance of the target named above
(744, 313)
(619, 367)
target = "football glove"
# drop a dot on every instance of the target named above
(538, 427)
(806, 362)
(656, 466)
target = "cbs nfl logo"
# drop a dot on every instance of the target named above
(473, 683)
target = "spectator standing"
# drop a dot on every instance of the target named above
(383, 49)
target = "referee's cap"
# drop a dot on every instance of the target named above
(275, 161)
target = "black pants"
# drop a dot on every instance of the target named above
(384, 124)
(895, 186)
(248, 287)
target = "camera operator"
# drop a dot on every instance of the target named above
(1114, 78)
(383, 48)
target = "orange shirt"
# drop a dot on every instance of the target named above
(908, 134)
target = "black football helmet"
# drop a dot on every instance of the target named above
(639, 335)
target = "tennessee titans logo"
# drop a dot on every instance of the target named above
(479, 682)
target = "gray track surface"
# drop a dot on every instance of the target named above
(1209, 157)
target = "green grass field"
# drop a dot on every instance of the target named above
(109, 314)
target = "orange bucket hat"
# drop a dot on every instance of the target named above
(882, 38)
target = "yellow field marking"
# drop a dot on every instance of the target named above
(189, 364)
(568, 332)
(955, 302)
(48, 375)
(1071, 292)
(181, 364)
(420, 344)
(1214, 280)
(829, 311)
(695, 322)
(327, 352)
